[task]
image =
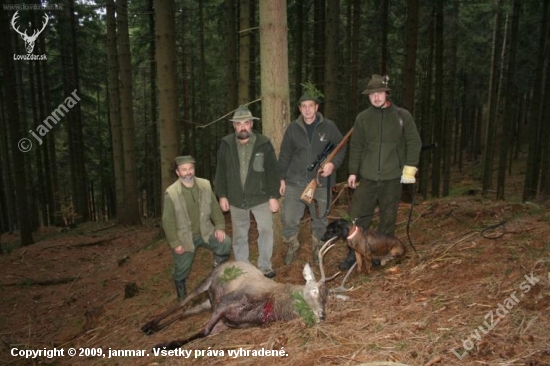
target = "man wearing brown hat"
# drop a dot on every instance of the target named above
(304, 140)
(384, 152)
(247, 182)
(192, 218)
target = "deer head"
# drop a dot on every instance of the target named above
(315, 292)
(29, 40)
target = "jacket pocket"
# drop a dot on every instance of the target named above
(258, 163)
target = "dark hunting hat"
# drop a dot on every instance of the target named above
(187, 159)
(377, 84)
(242, 114)
(307, 96)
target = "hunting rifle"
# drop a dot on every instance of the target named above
(309, 192)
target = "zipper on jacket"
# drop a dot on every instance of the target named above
(380, 143)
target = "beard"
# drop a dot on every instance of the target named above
(188, 178)
(243, 135)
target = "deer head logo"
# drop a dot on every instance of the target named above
(29, 40)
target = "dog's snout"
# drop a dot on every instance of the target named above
(322, 315)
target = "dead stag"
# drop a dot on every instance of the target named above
(241, 296)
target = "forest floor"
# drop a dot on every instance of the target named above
(477, 292)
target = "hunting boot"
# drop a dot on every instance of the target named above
(293, 245)
(219, 259)
(316, 244)
(349, 261)
(180, 289)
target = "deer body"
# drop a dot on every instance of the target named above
(241, 296)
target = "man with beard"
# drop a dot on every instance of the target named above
(192, 218)
(247, 182)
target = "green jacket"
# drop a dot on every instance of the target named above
(297, 153)
(175, 219)
(380, 145)
(262, 181)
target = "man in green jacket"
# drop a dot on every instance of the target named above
(191, 218)
(247, 182)
(384, 152)
(304, 140)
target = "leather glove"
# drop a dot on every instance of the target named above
(408, 174)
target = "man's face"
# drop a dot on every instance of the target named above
(243, 129)
(186, 172)
(308, 109)
(377, 99)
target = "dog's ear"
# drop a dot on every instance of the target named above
(344, 228)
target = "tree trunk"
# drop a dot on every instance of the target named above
(114, 113)
(132, 216)
(438, 102)
(15, 131)
(332, 59)
(167, 96)
(489, 151)
(81, 186)
(384, 41)
(188, 146)
(354, 61)
(411, 43)
(232, 66)
(155, 194)
(450, 115)
(274, 70)
(299, 50)
(510, 97)
(244, 52)
(319, 44)
(530, 187)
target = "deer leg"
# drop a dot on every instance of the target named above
(155, 324)
(206, 305)
(205, 331)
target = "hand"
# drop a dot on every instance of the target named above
(274, 205)
(220, 235)
(352, 181)
(282, 188)
(327, 170)
(224, 204)
(409, 173)
(179, 250)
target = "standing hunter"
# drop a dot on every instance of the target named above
(383, 154)
(304, 140)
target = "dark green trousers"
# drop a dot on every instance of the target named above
(369, 194)
(184, 262)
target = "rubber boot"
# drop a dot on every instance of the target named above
(349, 261)
(293, 245)
(316, 244)
(180, 289)
(219, 259)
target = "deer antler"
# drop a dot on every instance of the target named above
(13, 19)
(342, 288)
(35, 33)
(324, 249)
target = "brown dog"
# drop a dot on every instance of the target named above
(367, 244)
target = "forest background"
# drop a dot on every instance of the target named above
(157, 79)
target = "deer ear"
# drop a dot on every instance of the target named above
(308, 273)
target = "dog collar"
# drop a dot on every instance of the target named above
(353, 234)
